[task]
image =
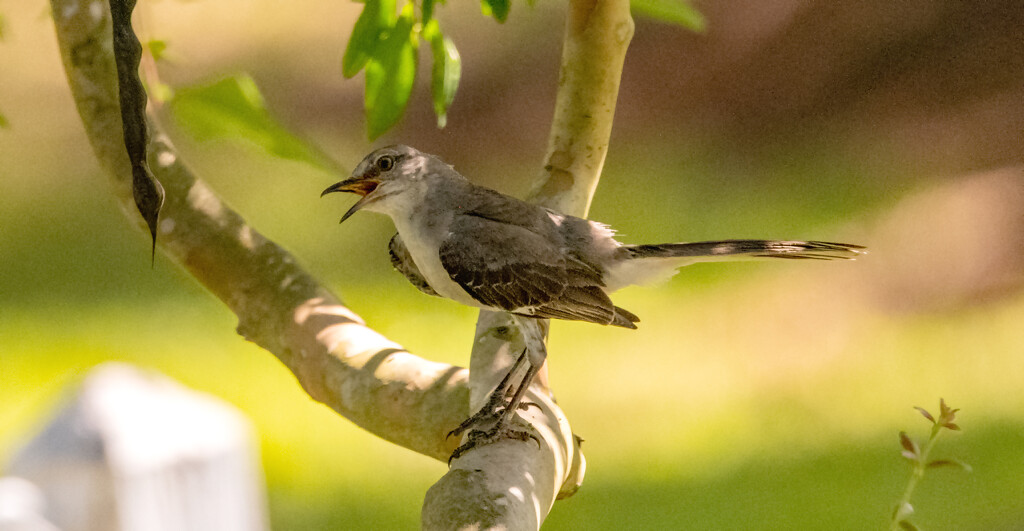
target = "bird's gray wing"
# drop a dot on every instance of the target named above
(513, 268)
(402, 261)
(573, 234)
(503, 266)
(587, 303)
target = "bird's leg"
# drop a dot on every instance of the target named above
(495, 402)
(502, 429)
(535, 353)
(517, 397)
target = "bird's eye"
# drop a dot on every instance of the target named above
(386, 162)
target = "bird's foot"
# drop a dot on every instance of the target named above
(485, 416)
(490, 414)
(493, 422)
(500, 431)
(499, 413)
(497, 403)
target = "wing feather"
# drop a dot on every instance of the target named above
(526, 270)
(504, 266)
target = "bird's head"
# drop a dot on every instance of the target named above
(386, 179)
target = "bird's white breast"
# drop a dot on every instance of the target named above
(423, 240)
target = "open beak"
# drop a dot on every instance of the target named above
(363, 186)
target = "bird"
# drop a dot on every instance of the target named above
(488, 250)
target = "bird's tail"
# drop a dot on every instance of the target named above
(651, 263)
(731, 249)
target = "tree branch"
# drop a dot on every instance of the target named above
(512, 484)
(338, 360)
(597, 34)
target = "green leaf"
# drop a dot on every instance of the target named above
(956, 463)
(390, 73)
(910, 447)
(233, 108)
(427, 11)
(445, 73)
(370, 30)
(495, 8)
(159, 92)
(947, 415)
(678, 12)
(157, 48)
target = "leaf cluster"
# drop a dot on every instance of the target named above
(913, 452)
(384, 45)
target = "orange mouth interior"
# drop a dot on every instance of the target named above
(362, 187)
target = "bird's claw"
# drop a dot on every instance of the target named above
(488, 414)
(484, 416)
(478, 438)
(524, 405)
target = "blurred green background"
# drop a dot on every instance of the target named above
(754, 396)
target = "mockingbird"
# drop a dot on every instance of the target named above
(485, 249)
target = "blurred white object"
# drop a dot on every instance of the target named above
(21, 506)
(136, 451)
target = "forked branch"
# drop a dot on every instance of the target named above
(337, 359)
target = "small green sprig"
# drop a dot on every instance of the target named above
(918, 456)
